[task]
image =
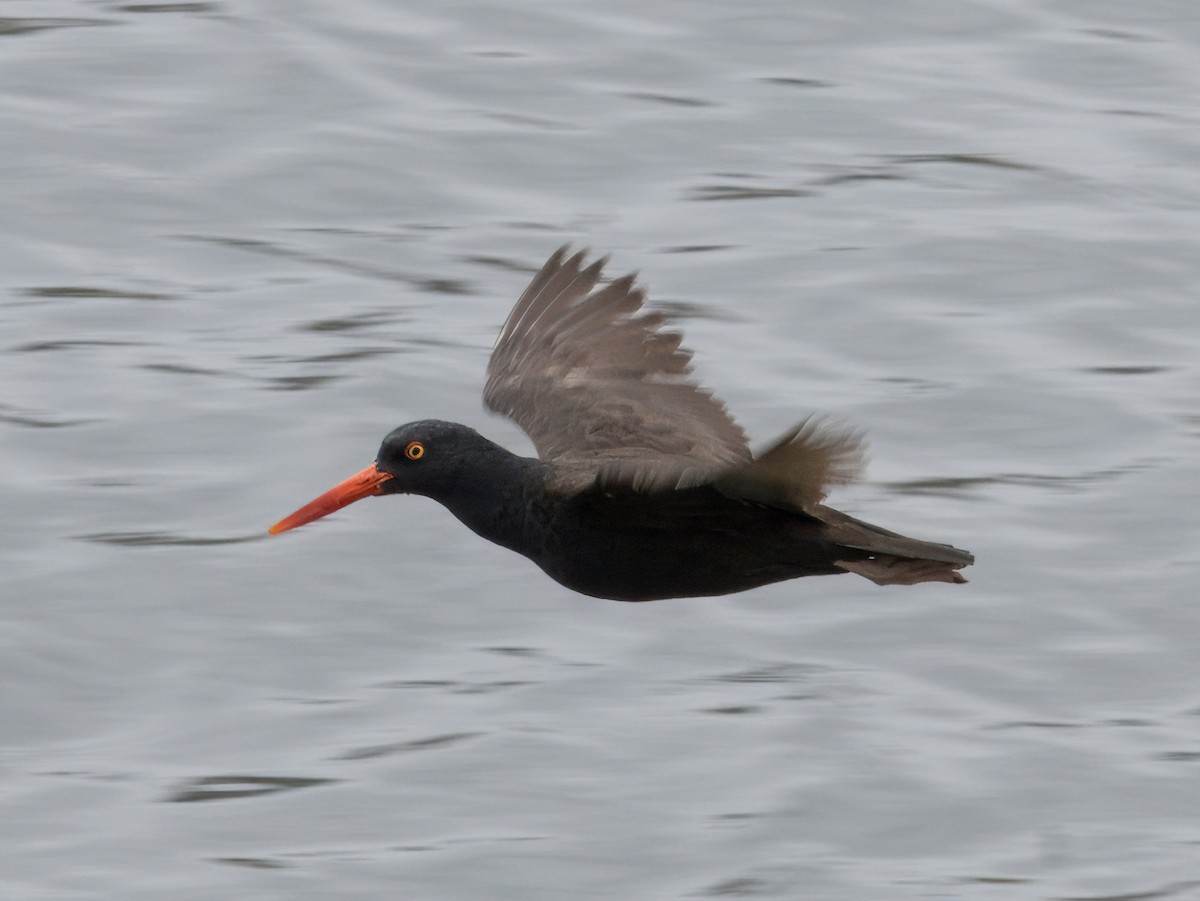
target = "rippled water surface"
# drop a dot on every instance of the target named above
(241, 240)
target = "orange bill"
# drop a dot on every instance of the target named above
(355, 488)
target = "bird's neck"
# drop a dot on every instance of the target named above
(491, 497)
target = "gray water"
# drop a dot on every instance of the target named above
(242, 240)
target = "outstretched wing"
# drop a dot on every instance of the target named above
(594, 380)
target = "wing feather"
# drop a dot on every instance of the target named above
(594, 380)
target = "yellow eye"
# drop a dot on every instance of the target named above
(415, 450)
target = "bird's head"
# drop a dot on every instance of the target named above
(430, 457)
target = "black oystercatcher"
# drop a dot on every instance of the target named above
(644, 487)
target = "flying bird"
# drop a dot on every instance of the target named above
(643, 487)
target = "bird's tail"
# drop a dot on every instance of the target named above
(887, 558)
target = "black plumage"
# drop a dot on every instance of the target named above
(644, 487)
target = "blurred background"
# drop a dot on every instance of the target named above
(241, 240)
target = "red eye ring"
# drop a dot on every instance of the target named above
(415, 450)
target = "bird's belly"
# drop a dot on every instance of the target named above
(646, 564)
